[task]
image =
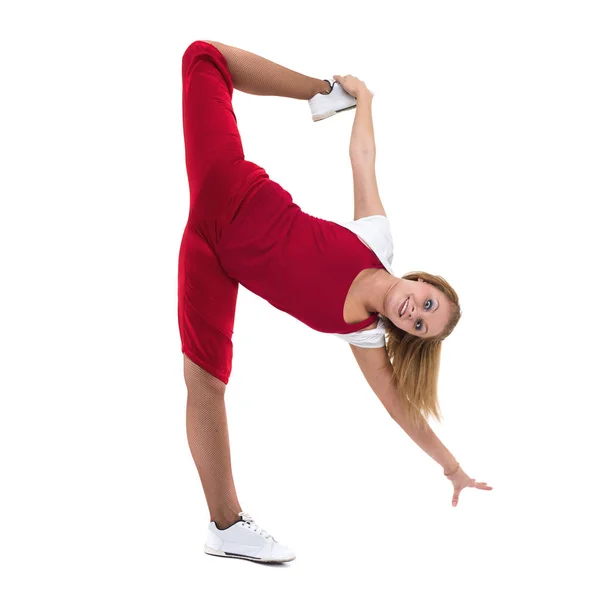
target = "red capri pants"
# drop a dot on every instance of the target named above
(220, 181)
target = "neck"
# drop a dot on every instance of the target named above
(374, 290)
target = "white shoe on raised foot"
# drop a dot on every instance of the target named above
(244, 539)
(327, 105)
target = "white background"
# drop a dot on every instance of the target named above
(487, 126)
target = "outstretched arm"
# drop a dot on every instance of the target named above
(377, 369)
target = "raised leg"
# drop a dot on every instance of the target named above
(256, 75)
(208, 439)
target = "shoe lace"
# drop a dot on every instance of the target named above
(251, 524)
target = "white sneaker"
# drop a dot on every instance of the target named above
(244, 539)
(327, 105)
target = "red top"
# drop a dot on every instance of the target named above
(300, 264)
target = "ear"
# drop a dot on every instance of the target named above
(419, 280)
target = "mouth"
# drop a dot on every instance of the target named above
(403, 308)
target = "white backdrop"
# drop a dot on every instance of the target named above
(487, 126)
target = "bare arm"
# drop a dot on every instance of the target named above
(367, 201)
(377, 369)
(362, 139)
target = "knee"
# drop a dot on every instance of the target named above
(198, 379)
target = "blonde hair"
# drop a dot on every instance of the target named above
(416, 360)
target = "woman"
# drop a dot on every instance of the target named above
(336, 278)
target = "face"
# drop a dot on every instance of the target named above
(418, 308)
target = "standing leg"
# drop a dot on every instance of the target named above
(208, 439)
(256, 75)
(207, 299)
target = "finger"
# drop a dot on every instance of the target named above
(483, 486)
(455, 499)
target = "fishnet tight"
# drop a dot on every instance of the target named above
(208, 439)
(256, 75)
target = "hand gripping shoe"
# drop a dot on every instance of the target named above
(244, 539)
(327, 105)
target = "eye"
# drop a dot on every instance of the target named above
(428, 304)
(419, 325)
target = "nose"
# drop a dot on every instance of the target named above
(412, 310)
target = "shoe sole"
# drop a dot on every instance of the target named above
(214, 552)
(331, 113)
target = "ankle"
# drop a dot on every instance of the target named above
(223, 521)
(325, 88)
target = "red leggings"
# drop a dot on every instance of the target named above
(220, 181)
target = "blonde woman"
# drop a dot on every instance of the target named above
(336, 278)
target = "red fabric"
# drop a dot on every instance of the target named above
(244, 228)
(301, 264)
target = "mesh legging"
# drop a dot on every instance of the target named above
(256, 75)
(208, 439)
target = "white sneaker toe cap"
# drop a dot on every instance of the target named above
(282, 553)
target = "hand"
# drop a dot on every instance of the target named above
(353, 85)
(461, 480)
